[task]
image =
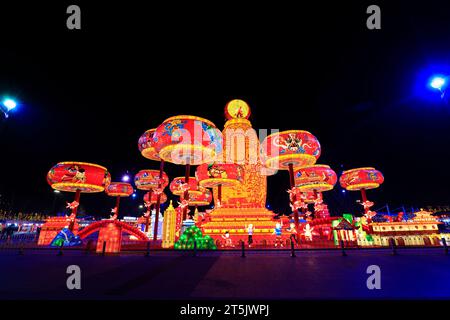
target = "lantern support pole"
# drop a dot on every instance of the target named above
(147, 221)
(219, 193)
(74, 210)
(117, 206)
(158, 202)
(364, 198)
(186, 193)
(292, 183)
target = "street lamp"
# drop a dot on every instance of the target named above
(7, 105)
(439, 83)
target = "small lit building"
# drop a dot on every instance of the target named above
(422, 230)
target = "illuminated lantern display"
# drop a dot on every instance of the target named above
(362, 179)
(218, 175)
(146, 146)
(150, 181)
(154, 198)
(237, 109)
(290, 149)
(78, 177)
(118, 190)
(187, 140)
(315, 179)
(200, 198)
(244, 203)
(178, 185)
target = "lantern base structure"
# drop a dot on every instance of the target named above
(109, 237)
(236, 221)
(52, 227)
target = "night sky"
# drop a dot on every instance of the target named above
(88, 95)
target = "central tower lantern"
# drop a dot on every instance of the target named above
(243, 204)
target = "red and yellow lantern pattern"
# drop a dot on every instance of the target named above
(187, 140)
(119, 189)
(203, 197)
(154, 197)
(149, 179)
(215, 174)
(178, 184)
(78, 176)
(316, 178)
(361, 178)
(297, 147)
(146, 145)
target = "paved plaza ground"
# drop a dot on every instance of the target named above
(412, 274)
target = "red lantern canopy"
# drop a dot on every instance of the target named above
(215, 174)
(78, 177)
(146, 146)
(154, 198)
(288, 149)
(218, 175)
(178, 185)
(361, 179)
(118, 190)
(187, 140)
(200, 198)
(149, 179)
(317, 178)
(296, 148)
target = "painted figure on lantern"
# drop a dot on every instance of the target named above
(278, 233)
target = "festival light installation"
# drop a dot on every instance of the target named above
(290, 149)
(118, 190)
(244, 203)
(187, 140)
(152, 198)
(211, 175)
(362, 179)
(78, 177)
(315, 179)
(153, 182)
(146, 145)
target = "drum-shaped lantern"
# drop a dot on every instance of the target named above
(177, 185)
(296, 147)
(154, 197)
(361, 178)
(214, 174)
(187, 139)
(146, 145)
(317, 178)
(200, 198)
(78, 176)
(149, 179)
(119, 189)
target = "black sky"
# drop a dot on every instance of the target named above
(88, 95)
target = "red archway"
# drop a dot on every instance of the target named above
(123, 226)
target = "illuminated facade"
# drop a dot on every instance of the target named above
(419, 231)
